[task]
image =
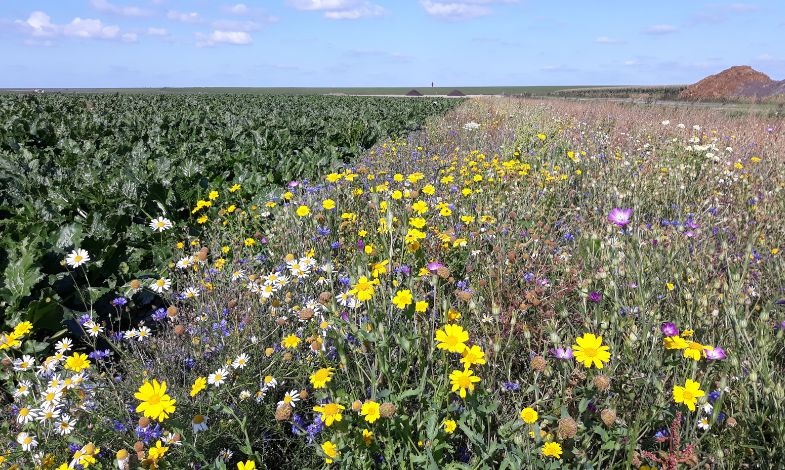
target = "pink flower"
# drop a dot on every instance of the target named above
(716, 354)
(620, 217)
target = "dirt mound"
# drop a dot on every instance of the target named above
(413, 93)
(456, 93)
(725, 84)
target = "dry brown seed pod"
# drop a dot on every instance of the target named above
(608, 417)
(568, 428)
(387, 410)
(138, 446)
(179, 330)
(538, 363)
(306, 314)
(464, 295)
(269, 352)
(601, 382)
(136, 284)
(325, 297)
(281, 321)
(171, 312)
(443, 272)
(303, 394)
(287, 356)
(283, 412)
(357, 405)
(144, 421)
(232, 304)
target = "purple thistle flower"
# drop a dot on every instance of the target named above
(669, 329)
(620, 217)
(595, 297)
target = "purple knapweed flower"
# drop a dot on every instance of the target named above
(669, 329)
(119, 301)
(595, 297)
(620, 217)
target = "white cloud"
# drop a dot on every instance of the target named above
(661, 29)
(157, 32)
(223, 37)
(340, 9)
(607, 40)
(191, 17)
(363, 11)
(460, 9)
(238, 9)
(321, 5)
(231, 25)
(122, 10)
(39, 25)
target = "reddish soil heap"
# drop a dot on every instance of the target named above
(725, 84)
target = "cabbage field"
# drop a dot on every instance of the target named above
(88, 169)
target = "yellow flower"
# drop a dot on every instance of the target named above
(155, 403)
(22, 329)
(213, 195)
(420, 207)
(77, 362)
(417, 222)
(157, 452)
(247, 465)
(670, 286)
(449, 426)
(321, 377)
(695, 350)
(364, 289)
(370, 410)
(199, 384)
(290, 342)
(250, 241)
(330, 450)
(529, 415)
(590, 351)
(367, 437)
(303, 211)
(202, 219)
(452, 338)
(328, 204)
(462, 381)
(333, 177)
(541, 136)
(674, 342)
(402, 299)
(377, 269)
(331, 412)
(472, 356)
(552, 449)
(428, 189)
(234, 188)
(421, 306)
(688, 394)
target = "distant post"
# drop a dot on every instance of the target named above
(431, 84)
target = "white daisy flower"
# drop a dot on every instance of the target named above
(290, 398)
(185, 263)
(143, 333)
(92, 328)
(241, 361)
(64, 345)
(27, 441)
(23, 388)
(191, 293)
(77, 258)
(218, 377)
(161, 285)
(66, 425)
(25, 363)
(237, 275)
(25, 415)
(159, 224)
(704, 424)
(47, 414)
(199, 423)
(269, 382)
(131, 334)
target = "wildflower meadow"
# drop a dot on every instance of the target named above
(516, 284)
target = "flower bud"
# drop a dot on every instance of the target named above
(387, 410)
(283, 412)
(601, 382)
(608, 417)
(538, 363)
(568, 428)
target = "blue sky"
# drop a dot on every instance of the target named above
(153, 43)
